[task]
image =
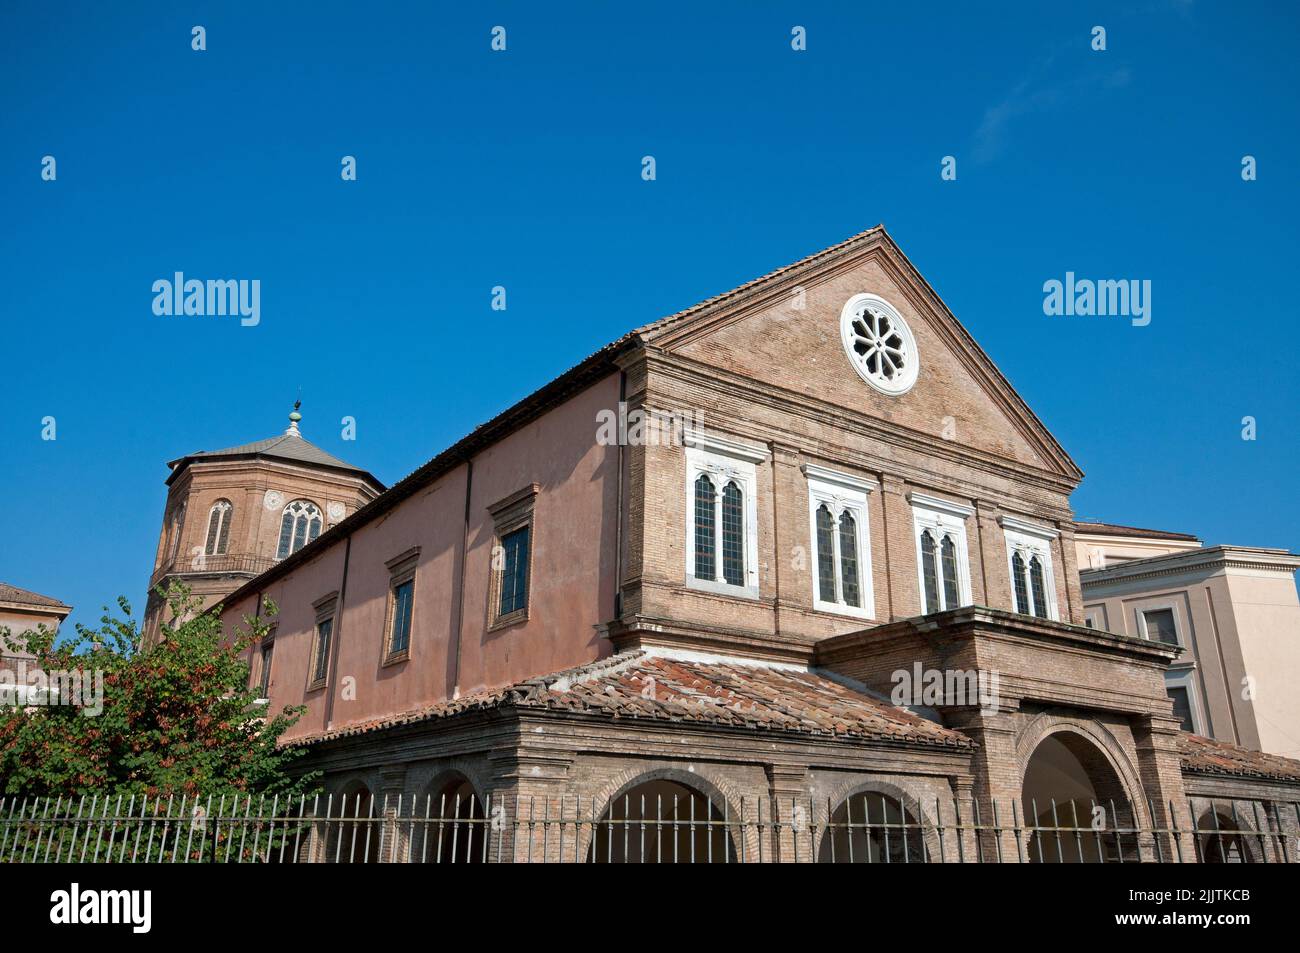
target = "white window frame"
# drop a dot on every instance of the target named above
(723, 460)
(1172, 606)
(1030, 539)
(841, 493)
(941, 517)
(1186, 678)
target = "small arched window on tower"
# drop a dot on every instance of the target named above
(300, 524)
(219, 528)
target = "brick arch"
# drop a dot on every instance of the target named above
(1107, 747)
(716, 789)
(855, 786)
(1248, 833)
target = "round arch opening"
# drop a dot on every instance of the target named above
(873, 828)
(1075, 806)
(662, 821)
(455, 830)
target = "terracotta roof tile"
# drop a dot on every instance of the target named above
(1207, 756)
(26, 597)
(638, 686)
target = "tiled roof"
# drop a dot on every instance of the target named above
(283, 447)
(26, 597)
(1207, 756)
(638, 686)
(1115, 529)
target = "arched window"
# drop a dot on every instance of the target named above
(704, 544)
(849, 559)
(1018, 577)
(733, 535)
(1029, 560)
(949, 551)
(841, 543)
(1036, 585)
(300, 524)
(219, 528)
(826, 553)
(930, 572)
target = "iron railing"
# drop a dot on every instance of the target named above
(869, 828)
(190, 563)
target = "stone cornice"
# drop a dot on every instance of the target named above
(1212, 558)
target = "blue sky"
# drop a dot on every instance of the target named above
(522, 169)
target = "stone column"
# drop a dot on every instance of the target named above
(786, 826)
(1160, 769)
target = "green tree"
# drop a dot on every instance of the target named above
(177, 719)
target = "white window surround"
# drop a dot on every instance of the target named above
(876, 356)
(1030, 539)
(723, 460)
(942, 518)
(1185, 678)
(841, 493)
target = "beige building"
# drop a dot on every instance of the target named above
(1232, 611)
(22, 610)
(234, 513)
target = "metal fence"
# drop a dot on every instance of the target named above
(868, 828)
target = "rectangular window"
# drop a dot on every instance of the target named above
(943, 569)
(1182, 705)
(1160, 626)
(514, 574)
(1029, 560)
(264, 684)
(321, 658)
(721, 514)
(403, 599)
(840, 543)
(401, 605)
(512, 557)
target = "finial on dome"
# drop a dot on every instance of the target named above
(294, 417)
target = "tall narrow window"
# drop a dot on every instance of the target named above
(300, 524)
(849, 560)
(1018, 581)
(733, 535)
(512, 557)
(321, 660)
(825, 553)
(930, 572)
(1036, 586)
(514, 578)
(264, 684)
(949, 551)
(399, 639)
(705, 547)
(218, 528)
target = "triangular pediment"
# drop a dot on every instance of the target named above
(784, 329)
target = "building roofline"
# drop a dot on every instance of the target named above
(604, 362)
(180, 464)
(1087, 528)
(1167, 564)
